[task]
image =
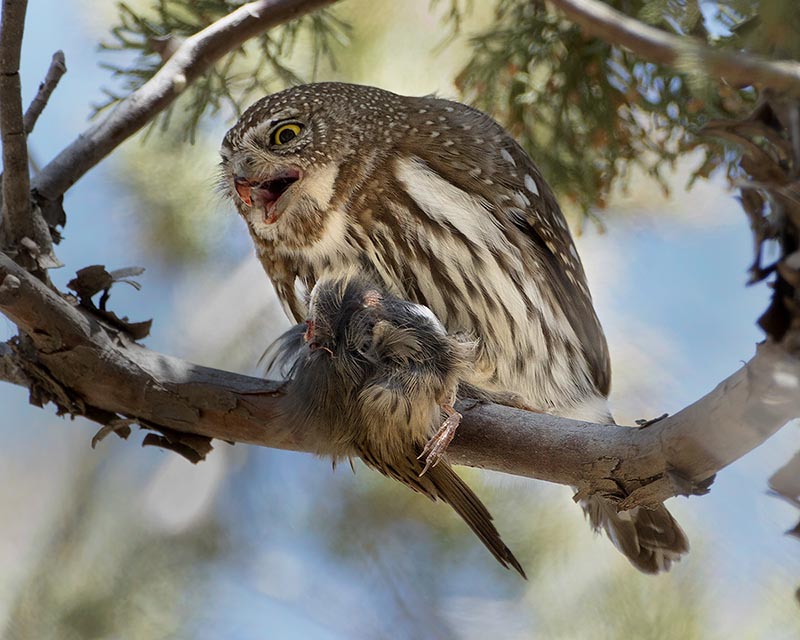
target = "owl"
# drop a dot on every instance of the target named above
(375, 377)
(439, 205)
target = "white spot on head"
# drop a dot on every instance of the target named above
(530, 185)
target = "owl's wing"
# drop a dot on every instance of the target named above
(536, 214)
(494, 169)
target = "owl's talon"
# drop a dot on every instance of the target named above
(435, 447)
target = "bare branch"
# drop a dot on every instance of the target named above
(600, 20)
(101, 369)
(193, 57)
(16, 215)
(58, 68)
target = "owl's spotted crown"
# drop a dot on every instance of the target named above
(354, 113)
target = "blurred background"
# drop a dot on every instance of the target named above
(126, 542)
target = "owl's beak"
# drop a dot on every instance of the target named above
(242, 186)
(266, 193)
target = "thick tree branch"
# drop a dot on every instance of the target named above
(600, 20)
(101, 369)
(16, 215)
(58, 68)
(193, 57)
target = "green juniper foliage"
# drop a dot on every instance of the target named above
(250, 71)
(587, 111)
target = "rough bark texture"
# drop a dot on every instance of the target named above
(16, 210)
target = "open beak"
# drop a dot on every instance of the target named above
(265, 194)
(242, 187)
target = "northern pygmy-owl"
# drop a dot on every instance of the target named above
(440, 205)
(375, 377)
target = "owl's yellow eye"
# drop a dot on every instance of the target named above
(286, 133)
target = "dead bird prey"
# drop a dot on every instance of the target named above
(374, 376)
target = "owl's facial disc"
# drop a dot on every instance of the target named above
(265, 194)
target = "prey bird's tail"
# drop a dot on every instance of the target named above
(650, 538)
(441, 483)
(455, 492)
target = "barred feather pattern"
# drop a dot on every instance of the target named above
(443, 208)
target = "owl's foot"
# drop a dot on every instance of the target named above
(437, 445)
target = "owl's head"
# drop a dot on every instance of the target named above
(283, 157)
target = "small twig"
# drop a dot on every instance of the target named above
(16, 217)
(57, 69)
(655, 45)
(190, 60)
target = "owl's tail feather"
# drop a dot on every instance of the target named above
(454, 491)
(650, 538)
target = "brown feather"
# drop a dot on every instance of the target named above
(442, 483)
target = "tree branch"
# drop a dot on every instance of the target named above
(16, 215)
(601, 21)
(101, 369)
(58, 68)
(193, 57)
